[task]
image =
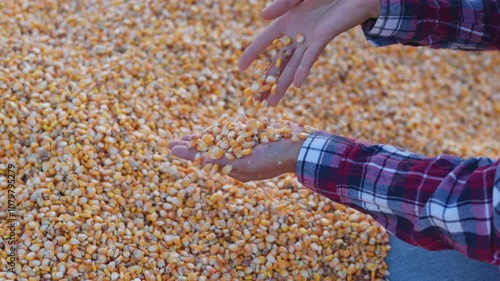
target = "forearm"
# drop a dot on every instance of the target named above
(414, 197)
(455, 24)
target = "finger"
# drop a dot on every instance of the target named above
(310, 56)
(239, 177)
(281, 124)
(276, 71)
(286, 77)
(184, 152)
(260, 43)
(278, 8)
(177, 143)
(221, 161)
(297, 127)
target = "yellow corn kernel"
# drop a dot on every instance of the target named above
(247, 92)
(299, 38)
(234, 143)
(246, 152)
(217, 153)
(257, 104)
(214, 170)
(278, 62)
(303, 136)
(224, 144)
(227, 169)
(249, 101)
(240, 139)
(208, 139)
(197, 159)
(207, 168)
(286, 40)
(273, 89)
(202, 146)
(308, 129)
(265, 88)
(270, 79)
(285, 130)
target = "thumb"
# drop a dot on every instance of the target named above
(184, 152)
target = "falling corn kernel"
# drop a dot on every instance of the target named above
(299, 38)
(270, 79)
(286, 40)
(265, 82)
(273, 89)
(278, 62)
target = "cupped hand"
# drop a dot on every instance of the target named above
(320, 21)
(266, 161)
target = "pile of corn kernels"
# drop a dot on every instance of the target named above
(93, 91)
(236, 139)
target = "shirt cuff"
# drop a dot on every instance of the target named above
(387, 28)
(318, 164)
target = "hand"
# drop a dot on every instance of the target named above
(266, 161)
(320, 21)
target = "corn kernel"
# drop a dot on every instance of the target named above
(227, 169)
(299, 38)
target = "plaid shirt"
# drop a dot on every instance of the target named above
(436, 203)
(454, 24)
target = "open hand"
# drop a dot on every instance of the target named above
(266, 161)
(320, 21)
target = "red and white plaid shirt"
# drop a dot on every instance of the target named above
(453, 24)
(436, 203)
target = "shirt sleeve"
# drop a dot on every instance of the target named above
(436, 203)
(453, 24)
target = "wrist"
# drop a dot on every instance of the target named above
(375, 11)
(292, 153)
